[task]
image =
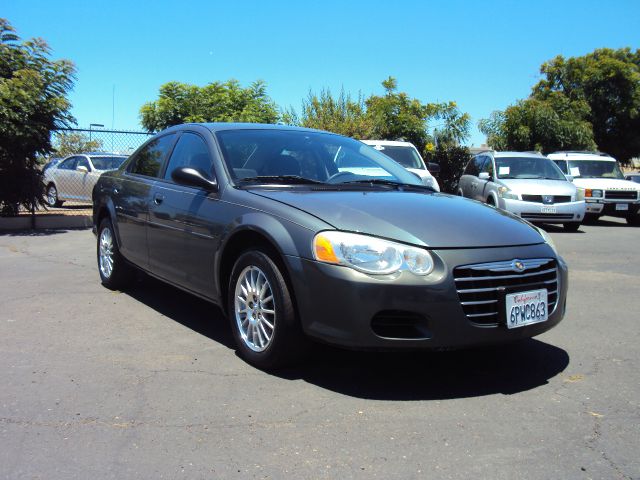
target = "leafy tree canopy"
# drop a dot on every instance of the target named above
(215, 102)
(584, 102)
(609, 82)
(70, 143)
(33, 101)
(555, 123)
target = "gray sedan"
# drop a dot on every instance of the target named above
(263, 222)
(528, 185)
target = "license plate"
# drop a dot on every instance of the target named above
(547, 209)
(622, 206)
(526, 308)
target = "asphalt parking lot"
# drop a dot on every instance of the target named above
(146, 384)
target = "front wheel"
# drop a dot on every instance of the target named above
(634, 219)
(52, 196)
(571, 226)
(261, 312)
(115, 272)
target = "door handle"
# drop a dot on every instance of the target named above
(158, 198)
(116, 191)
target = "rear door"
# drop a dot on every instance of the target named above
(132, 195)
(61, 178)
(183, 228)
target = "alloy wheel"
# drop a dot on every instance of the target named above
(255, 309)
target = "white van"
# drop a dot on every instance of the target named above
(606, 192)
(406, 154)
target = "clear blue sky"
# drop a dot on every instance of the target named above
(484, 55)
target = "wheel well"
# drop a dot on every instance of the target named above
(236, 245)
(104, 212)
(491, 201)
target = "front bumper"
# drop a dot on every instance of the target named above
(612, 207)
(538, 212)
(337, 304)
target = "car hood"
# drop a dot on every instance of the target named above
(605, 183)
(428, 219)
(539, 186)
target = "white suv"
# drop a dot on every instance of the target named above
(606, 192)
(406, 154)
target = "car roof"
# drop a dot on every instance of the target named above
(222, 126)
(390, 143)
(518, 154)
(581, 156)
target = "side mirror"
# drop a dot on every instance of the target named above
(82, 169)
(569, 178)
(433, 167)
(193, 178)
(484, 176)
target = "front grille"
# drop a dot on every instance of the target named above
(541, 217)
(478, 286)
(621, 194)
(555, 198)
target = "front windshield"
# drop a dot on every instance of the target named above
(595, 169)
(107, 163)
(528, 168)
(405, 155)
(288, 156)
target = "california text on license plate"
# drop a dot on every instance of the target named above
(525, 308)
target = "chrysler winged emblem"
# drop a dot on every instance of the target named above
(517, 266)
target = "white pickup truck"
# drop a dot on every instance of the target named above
(606, 192)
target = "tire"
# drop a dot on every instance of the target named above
(115, 272)
(52, 196)
(633, 220)
(571, 226)
(591, 218)
(262, 315)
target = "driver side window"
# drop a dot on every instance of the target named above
(488, 167)
(191, 151)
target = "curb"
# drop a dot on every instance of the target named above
(45, 222)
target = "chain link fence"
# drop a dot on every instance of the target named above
(82, 156)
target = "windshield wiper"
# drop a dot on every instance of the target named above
(380, 181)
(281, 179)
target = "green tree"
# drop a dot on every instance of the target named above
(342, 114)
(33, 102)
(216, 102)
(545, 125)
(452, 160)
(609, 82)
(70, 143)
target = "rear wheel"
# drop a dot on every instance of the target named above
(571, 226)
(52, 196)
(115, 272)
(261, 312)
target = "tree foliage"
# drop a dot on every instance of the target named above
(608, 81)
(33, 101)
(555, 123)
(452, 160)
(584, 102)
(216, 102)
(390, 116)
(71, 143)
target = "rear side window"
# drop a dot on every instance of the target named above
(149, 160)
(191, 151)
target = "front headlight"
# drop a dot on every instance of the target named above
(593, 193)
(370, 254)
(504, 192)
(579, 194)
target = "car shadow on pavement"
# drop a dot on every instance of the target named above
(399, 376)
(421, 375)
(194, 313)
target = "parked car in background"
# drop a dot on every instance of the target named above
(260, 220)
(407, 155)
(528, 185)
(52, 162)
(600, 179)
(633, 177)
(74, 177)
